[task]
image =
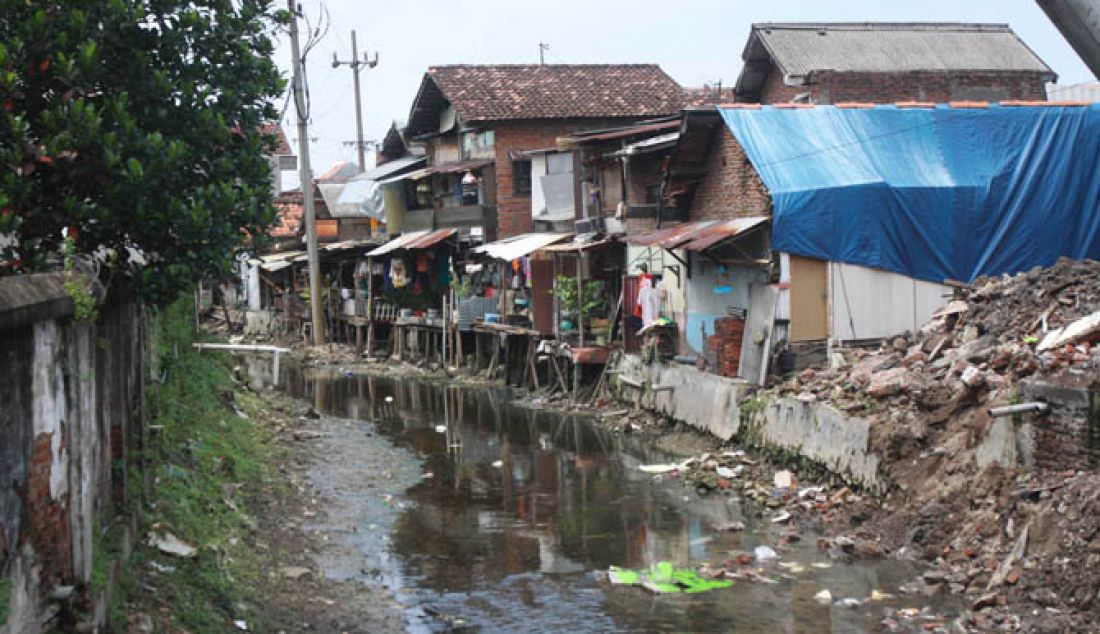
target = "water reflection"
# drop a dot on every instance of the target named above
(523, 507)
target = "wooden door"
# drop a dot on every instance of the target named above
(542, 303)
(809, 316)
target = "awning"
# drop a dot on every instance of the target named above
(696, 236)
(361, 197)
(509, 249)
(414, 240)
(445, 168)
(577, 247)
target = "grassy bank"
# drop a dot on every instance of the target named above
(205, 462)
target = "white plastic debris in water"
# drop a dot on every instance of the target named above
(824, 597)
(726, 472)
(878, 595)
(849, 602)
(389, 399)
(783, 516)
(441, 429)
(763, 553)
(498, 464)
(783, 479)
(658, 468)
(241, 625)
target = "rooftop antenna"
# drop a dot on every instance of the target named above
(543, 47)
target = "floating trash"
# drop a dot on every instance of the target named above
(664, 578)
(824, 597)
(498, 464)
(763, 553)
(441, 429)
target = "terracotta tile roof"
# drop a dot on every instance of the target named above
(706, 95)
(274, 129)
(552, 91)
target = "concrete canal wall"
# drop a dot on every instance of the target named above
(723, 407)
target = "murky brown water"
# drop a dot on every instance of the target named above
(521, 546)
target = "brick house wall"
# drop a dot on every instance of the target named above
(731, 187)
(827, 87)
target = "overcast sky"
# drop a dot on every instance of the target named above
(694, 41)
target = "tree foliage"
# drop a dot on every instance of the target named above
(136, 124)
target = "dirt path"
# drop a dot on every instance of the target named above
(298, 530)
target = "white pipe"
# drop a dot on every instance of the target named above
(243, 347)
(1021, 408)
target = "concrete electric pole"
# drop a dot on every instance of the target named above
(356, 65)
(305, 174)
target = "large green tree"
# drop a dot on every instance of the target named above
(136, 124)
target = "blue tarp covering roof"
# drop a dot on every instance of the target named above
(934, 193)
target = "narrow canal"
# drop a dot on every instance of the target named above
(478, 513)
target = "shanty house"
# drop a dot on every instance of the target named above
(490, 137)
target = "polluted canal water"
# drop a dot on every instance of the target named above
(478, 513)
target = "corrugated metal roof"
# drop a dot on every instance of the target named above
(444, 168)
(575, 247)
(696, 236)
(624, 132)
(414, 240)
(799, 49)
(1075, 92)
(509, 249)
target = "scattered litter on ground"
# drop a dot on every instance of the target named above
(296, 572)
(168, 543)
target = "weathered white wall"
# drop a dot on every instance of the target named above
(870, 304)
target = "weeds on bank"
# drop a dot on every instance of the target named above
(205, 461)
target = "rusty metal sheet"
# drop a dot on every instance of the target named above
(669, 237)
(696, 236)
(711, 236)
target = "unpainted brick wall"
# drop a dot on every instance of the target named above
(1068, 437)
(731, 187)
(827, 87)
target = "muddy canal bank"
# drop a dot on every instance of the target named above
(461, 509)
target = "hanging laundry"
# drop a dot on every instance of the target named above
(398, 274)
(649, 300)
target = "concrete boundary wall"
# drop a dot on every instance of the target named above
(725, 408)
(71, 408)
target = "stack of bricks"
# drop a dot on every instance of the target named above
(725, 345)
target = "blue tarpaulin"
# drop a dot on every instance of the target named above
(934, 193)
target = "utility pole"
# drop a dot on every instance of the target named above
(305, 174)
(356, 64)
(543, 47)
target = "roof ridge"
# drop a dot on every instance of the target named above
(536, 64)
(968, 26)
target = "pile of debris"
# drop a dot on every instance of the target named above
(927, 396)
